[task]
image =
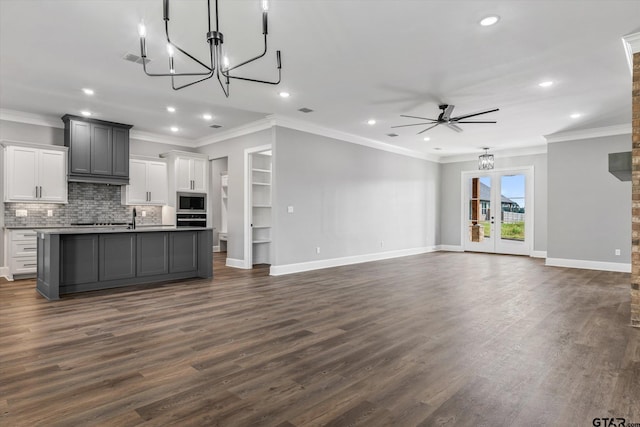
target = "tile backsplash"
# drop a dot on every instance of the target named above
(87, 203)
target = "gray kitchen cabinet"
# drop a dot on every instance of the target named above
(117, 256)
(78, 259)
(98, 150)
(183, 248)
(152, 253)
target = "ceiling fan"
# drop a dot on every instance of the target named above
(445, 119)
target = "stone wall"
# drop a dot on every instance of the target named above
(94, 203)
(635, 257)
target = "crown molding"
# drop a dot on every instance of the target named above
(235, 132)
(589, 133)
(511, 152)
(30, 118)
(160, 139)
(303, 126)
(631, 43)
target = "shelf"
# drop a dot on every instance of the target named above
(261, 170)
(261, 241)
(261, 226)
(261, 183)
(261, 206)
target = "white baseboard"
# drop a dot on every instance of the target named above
(450, 248)
(538, 254)
(216, 248)
(236, 263)
(589, 265)
(279, 270)
(4, 272)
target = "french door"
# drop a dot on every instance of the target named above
(498, 211)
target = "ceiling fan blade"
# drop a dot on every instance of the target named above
(454, 127)
(430, 127)
(474, 114)
(456, 121)
(446, 114)
(414, 124)
(415, 117)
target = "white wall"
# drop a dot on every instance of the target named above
(589, 208)
(451, 199)
(348, 198)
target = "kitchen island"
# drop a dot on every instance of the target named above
(85, 259)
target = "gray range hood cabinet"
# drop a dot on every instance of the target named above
(620, 165)
(98, 150)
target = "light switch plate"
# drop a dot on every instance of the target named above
(289, 209)
(21, 212)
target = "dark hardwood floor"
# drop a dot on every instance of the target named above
(442, 339)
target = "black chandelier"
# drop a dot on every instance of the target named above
(218, 63)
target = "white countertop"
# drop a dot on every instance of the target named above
(117, 229)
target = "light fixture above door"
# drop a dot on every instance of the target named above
(485, 161)
(217, 64)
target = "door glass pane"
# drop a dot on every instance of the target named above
(512, 207)
(479, 209)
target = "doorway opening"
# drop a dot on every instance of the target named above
(258, 208)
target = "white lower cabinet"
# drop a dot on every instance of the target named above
(147, 183)
(22, 250)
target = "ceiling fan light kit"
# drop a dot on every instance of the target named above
(218, 63)
(445, 119)
(485, 161)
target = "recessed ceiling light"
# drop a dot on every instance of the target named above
(171, 109)
(174, 129)
(437, 148)
(371, 122)
(284, 94)
(575, 115)
(489, 20)
(426, 138)
(85, 113)
(548, 83)
(207, 116)
(88, 91)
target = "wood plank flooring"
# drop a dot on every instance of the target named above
(439, 339)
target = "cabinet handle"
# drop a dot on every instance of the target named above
(41, 192)
(36, 191)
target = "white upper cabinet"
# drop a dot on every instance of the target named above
(147, 183)
(191, 174)
(35, 174)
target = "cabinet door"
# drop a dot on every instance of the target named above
(22, 173)
(117, 256)
(52, 176)
(120, 152)
(199, 175)
(183, 249)
(157, 183)
(80, 150)
(183, 174)
(153, 253)
(101, 150)
(78, 259)
(137, 188)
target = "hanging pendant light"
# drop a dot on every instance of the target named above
(485, 161)
(217, 64)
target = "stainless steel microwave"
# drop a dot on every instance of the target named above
(192, 202)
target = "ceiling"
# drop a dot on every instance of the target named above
(348, 60)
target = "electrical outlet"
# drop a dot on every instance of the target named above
(617, 252)
(144, 213)
(49, 212)
(318, 249)
(21, 212)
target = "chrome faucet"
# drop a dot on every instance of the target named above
(133, 219)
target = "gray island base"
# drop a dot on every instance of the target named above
(88, 259)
